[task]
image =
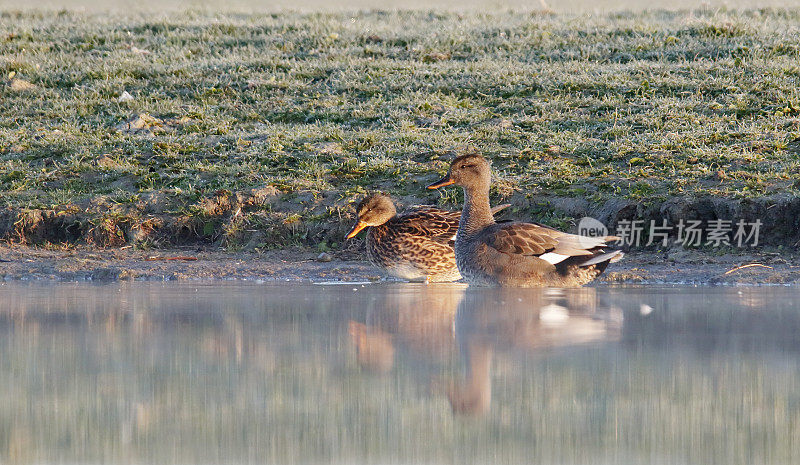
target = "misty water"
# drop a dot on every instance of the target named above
(397, 373)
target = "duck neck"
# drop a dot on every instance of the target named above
(477, 213)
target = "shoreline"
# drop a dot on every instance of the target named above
(86, 264)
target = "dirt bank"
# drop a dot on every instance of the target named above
(87, 264)
(259, 219)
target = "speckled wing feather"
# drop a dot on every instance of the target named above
(410, 249)
(433, 223)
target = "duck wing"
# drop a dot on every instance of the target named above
(436, 211)
(534, 240)
(433, 223)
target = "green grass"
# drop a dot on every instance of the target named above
(324, 107)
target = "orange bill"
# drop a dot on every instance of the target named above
(445, 181)
(356, 229)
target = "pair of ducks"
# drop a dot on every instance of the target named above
(438, 245)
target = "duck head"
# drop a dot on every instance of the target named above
(374, 210)
(472, 172)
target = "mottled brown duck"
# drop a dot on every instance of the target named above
(517, 254)
(415, 245)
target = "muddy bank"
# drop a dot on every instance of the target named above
(87, 264)
(252, 219)
(263, 218)
(778, 216)
(278, 236)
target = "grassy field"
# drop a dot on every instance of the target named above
(316, 6)
(261, 129)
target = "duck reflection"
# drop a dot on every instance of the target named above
(113, 373)
(374, 347)
(420, 319)
(437, 324)
(498, 321)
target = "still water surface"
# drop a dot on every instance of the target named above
(405, 373)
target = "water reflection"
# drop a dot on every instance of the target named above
(420, 320)
(475, 322)
(490, 320)
(410, 373)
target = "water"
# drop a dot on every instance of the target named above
(285, 373)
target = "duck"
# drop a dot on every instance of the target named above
(517, 254)
(416, 245)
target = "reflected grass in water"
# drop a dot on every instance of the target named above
(241, 373)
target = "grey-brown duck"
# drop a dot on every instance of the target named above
(515, 253)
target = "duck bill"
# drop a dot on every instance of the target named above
(356, 229)
(445, 181)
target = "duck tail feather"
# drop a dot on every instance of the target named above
(610, 257)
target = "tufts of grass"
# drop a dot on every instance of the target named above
(325, 107)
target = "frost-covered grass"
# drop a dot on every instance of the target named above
(326, 106)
